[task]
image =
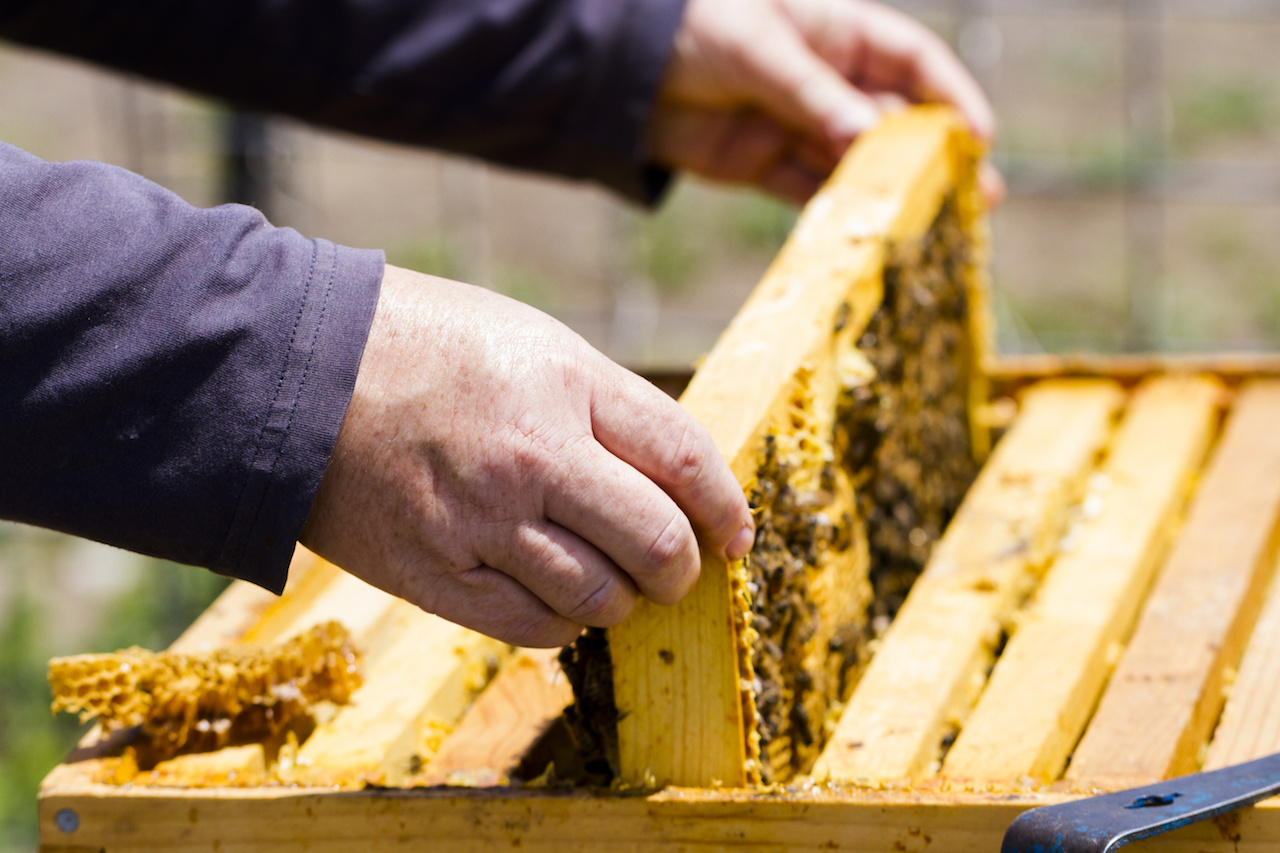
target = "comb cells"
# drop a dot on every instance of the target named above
(205, 701)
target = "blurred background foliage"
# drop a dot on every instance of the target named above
(1139, 140)
(58, 596)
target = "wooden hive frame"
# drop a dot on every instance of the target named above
(776, 375)
(1122, 534)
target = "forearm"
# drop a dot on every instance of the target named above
(172, 379)
(564, 86)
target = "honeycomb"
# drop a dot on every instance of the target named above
(205, 701)
(905, 435)
(805, 580)
(855, 483)
(850, 505)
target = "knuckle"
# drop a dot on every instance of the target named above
(605, 606)
(538, 631)
(670, 548)
(689, 457)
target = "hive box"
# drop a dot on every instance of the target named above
(1080, 623)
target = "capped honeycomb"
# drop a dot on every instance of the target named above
(208, 700)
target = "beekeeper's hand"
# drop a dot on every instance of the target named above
(772, 92)
(495, 469)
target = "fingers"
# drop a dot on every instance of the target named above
(991, 185)
(630, 520)
(819, 71)
(740, 148)
(649, 431)
(791, 182)
(493, 603)
(897, 54)
(569, 574)
(789, 81)
(470, 478)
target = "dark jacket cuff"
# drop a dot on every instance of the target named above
(301, 422)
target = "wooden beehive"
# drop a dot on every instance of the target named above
(1098, 597)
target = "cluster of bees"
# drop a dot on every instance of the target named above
(592, 719)
(804, 521)
(901, 441)
(863, 491)
(905, 435)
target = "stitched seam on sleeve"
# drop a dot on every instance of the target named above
(311, 354)
(284, 370)
(249, 506)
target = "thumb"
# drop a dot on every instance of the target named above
(798, 88)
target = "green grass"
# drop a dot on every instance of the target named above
(434, 256)
(1033, 323)
(525, 285)
(1215, 109)
(761, 223)
(1244, 294)
(1077, 65)
(668, 246)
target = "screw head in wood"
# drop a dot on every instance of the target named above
(67, 820)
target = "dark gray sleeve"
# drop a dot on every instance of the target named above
(172, 379)
(562, 86)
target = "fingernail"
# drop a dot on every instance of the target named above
(858, 117)
(741, 543)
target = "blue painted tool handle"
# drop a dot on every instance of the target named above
(1103, 823)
